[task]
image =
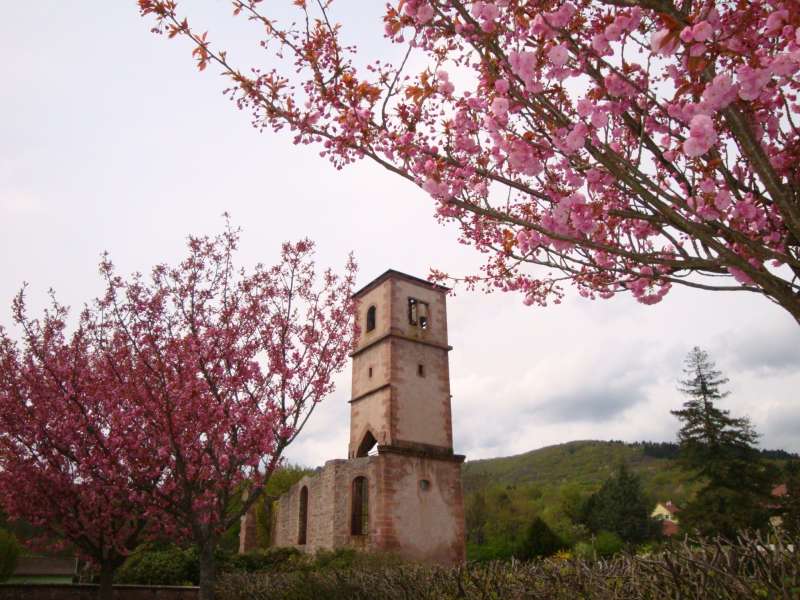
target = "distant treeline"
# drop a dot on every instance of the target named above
(670, 450)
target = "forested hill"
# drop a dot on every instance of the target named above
(588, 463)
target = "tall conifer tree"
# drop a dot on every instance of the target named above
(721, 450)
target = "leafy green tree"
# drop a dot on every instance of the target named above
(539, 541)
(621, 507)
(9, 553)
(720, 449)
(475, 517)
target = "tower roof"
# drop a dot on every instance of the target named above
(399, 275)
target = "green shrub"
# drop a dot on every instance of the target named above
(540, 541)
(274, 559)
(583, 551)
(607, 544)
(169, 566)
(348, 558)
(9, 553)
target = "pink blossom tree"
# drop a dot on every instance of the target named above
(618, 145)
(203, 374)
(65, 457)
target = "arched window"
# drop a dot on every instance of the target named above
(371, 318)
(367, 443)
(359, 524)
(302, 526)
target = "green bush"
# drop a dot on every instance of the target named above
(348, 558)
(274, 559)
(583, 551)
(169, 566)
(9, 553)
(607, 544)
(540, 541)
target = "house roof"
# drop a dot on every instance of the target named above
(45, 566)
(779, 490)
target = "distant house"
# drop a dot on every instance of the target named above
(777, 492)
(45, 569)
(666, 512)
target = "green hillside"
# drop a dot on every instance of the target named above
(585, 464)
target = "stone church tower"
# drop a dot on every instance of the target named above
(400, 488)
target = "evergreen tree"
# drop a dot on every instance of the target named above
(789, 504)
(620, 507)
(720, 449)
(540, 541)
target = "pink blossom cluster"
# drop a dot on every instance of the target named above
(632, 108)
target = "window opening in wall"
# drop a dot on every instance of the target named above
(359, 524)
(421, 370)
(418, 313)
(424, 485)
(367, 444)
(371, 318)
(303, 516)
(370, 372)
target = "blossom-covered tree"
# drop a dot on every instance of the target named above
(65, 454)
(622, 145)
(203, 374)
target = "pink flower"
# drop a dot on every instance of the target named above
(501, 86)
(702, 136)
(616, 86)
(663, 42)
(424, 14)
(740, 276)
(702, 31)
(500, 107)
(558, 55)
(576, 139)
(752, 81)
(720, 93)
(600, 44)
(784, 65)
(775, 20)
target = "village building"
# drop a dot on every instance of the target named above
(399, 490)
(666, 513)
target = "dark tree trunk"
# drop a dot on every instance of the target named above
(208, 572)
(106, 590)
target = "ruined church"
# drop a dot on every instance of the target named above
(399, 490)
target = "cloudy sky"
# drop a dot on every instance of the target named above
(111, 140)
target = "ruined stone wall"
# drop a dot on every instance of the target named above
(319, 528)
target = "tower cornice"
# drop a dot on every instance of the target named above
(399, 336)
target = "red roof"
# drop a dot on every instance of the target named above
(669, 528)
(779, 490)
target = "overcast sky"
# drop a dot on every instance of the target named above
(111, 140)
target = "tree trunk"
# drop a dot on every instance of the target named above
(208, 572)
(106, 590)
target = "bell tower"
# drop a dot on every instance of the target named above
(400, 489)
(401, 380)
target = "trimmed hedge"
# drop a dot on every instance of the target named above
(751, 568)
